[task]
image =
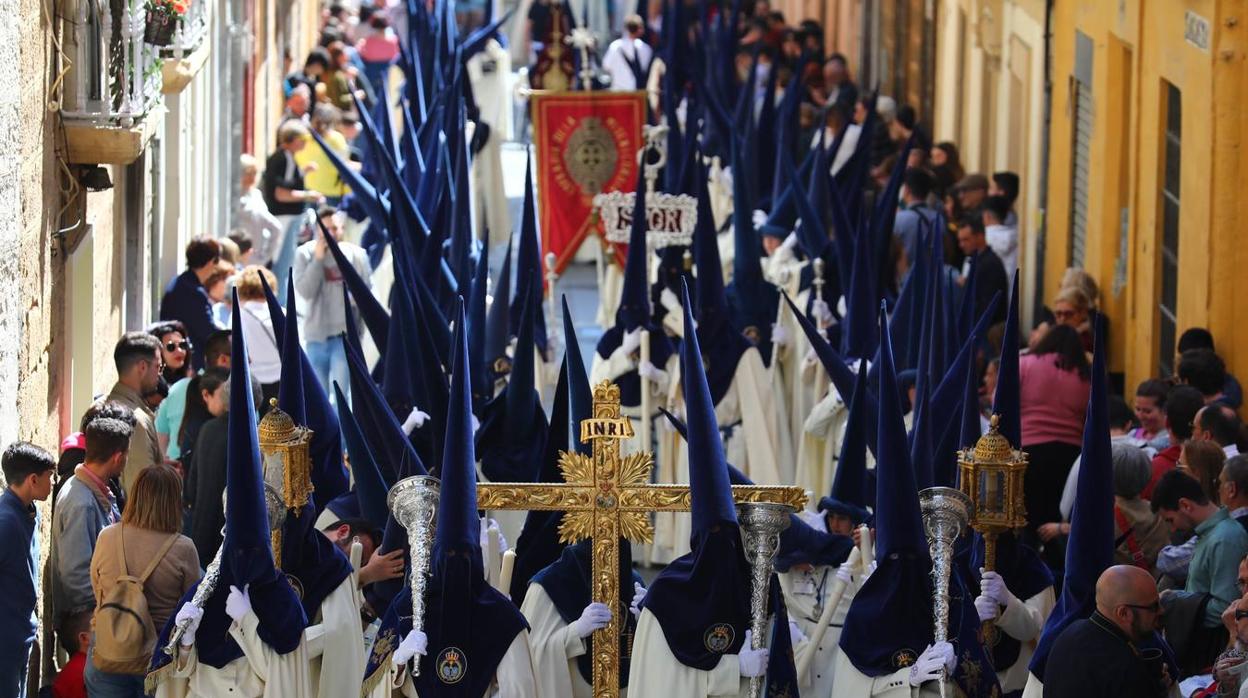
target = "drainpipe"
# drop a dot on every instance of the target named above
(1042, 231)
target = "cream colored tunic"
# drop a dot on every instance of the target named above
(555, 648)
(1023, 621)
(512, 679)
(804, 593)
(259, 673)
(655, 671)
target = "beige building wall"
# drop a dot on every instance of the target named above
(990, 102)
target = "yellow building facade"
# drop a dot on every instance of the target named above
(1146, 170)
(1137, 175)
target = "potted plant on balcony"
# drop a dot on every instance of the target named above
(163, 19)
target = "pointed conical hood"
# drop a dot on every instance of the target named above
(302, 397)
(520, 392)
(753, 299)
(374, 315)
(838, 371)
(247, 557)
(723, 343)
(290, 390)
(634, 308)
(1006, 401)
(881, 619)
(710, 492)
(1090, 549)
(497, 328)
(538, 544)
(861, 331)
(482, 390)
(529, 274)
(850, 494)
(382, 431)
(702, 599)
(459, 527)
(370, 487)
(580, 395)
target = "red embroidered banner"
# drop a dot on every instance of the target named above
(587, 143)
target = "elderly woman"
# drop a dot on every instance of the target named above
(1072, 308)
(1141, 532)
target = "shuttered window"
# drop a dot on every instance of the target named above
(1081, 149)
(1079, 175)
(1172, 156)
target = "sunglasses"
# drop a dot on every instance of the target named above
(1241, 613)
(184, 345)
(1154, 607)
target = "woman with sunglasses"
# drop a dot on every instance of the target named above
(175, 349)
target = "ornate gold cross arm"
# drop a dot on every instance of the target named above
(607, 496)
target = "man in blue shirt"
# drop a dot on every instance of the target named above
(28, 472)
(1220, 542)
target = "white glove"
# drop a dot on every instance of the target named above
(758, 217)
(415, 420)
(238, 603)
(594, 617)
(668, 299)
(632, 340)
(795, 634)
(780, 335)
(415, 643)
(639, 595)
(652, 373)
(843, 574)
(987, 608)
(935, 658)
(752, 662)
(821, 312)
(193, 614)
(870, 570)
(993, 586)
(842, 306)
(488, 525)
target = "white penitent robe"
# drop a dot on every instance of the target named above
(259, 673)
(655, 671)
(610, 285)
(1023, 621)
(620, 363)
(513, 678)
(336, 644)
(852, 683)
(805, 592)
(555, 647)
(823, 430)
(746, 419)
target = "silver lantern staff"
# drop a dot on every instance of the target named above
(413, 501)
(276, 506)
(946, 513)
(761, 525)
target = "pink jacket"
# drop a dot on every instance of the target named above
(1054, 401)
(378, 47)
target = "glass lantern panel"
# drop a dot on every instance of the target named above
(275, 468)
(992, 491)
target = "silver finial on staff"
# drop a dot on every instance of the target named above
(761, 525)
(946, 513)
(413, 501)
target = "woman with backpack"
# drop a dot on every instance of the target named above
(141, 568)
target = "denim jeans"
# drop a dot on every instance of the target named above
(104, 685)
(330, 364)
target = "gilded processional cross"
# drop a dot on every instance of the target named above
(606, 496)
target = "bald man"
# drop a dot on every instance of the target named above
(1100, 656)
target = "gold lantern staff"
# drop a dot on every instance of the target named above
(287, 466)
(992, 476)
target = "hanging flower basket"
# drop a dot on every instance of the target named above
(160, 29)
(163, 19)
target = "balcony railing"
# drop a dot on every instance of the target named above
(191, 34)
(115, 77)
